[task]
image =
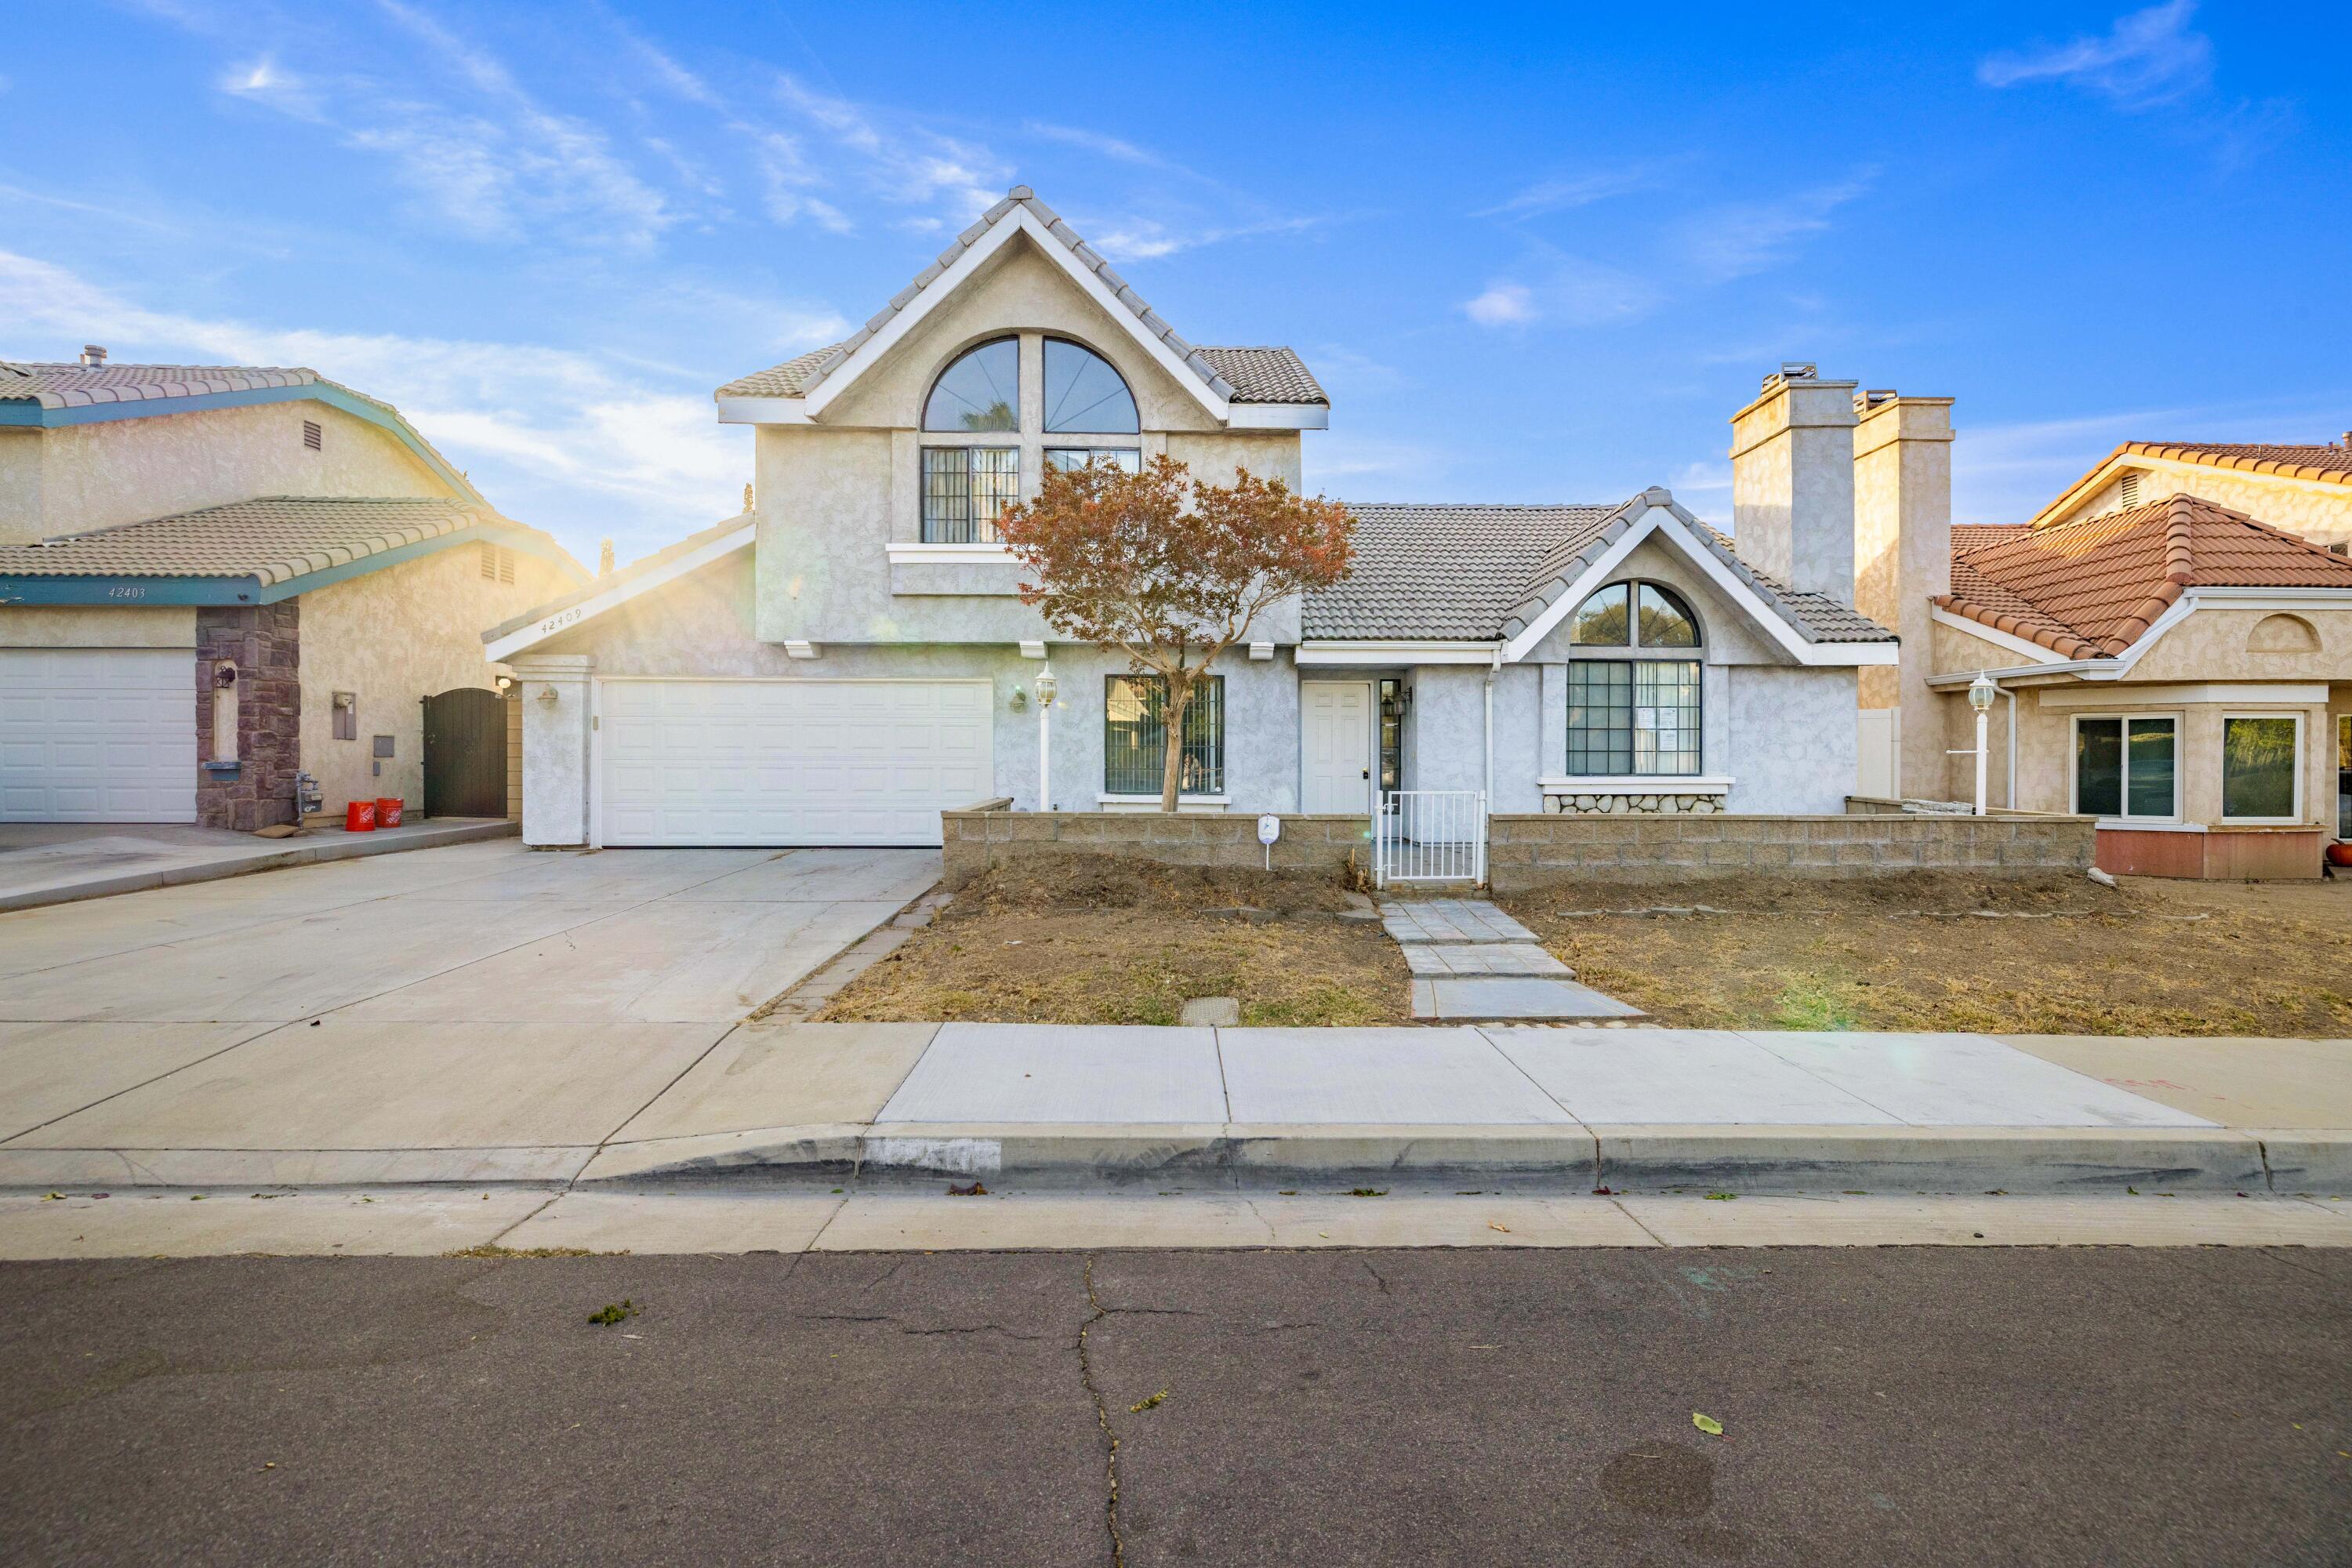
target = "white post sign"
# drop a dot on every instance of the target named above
(1269, 828)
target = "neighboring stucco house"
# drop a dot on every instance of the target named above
(850, 657)
(2172, 658)
(214, 578)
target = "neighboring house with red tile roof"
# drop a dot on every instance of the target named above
(2176, 666)
(2303, 489)
(853, 656)
(214, 579)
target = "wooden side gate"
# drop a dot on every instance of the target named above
(465, 753)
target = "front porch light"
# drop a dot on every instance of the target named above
(1982, 692)
(1046, 685)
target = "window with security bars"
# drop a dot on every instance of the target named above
(966, 489)
(1135, 736)
(1633, 717)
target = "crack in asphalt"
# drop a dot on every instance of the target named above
(1102, 1419)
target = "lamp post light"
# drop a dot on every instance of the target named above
(1046, 685)
(1982, 692)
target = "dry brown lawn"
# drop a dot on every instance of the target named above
(2056, 955)
(1094, 940)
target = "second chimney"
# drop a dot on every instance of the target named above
(92, 356)
(1792, 481)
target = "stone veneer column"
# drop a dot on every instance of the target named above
(264, 642)
(556, 746)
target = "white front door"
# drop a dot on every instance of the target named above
(1336, 746)
(790, 762)
(98, 734)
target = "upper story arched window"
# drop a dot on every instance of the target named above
(1083, 394)
(981, 390)
(1634, 614)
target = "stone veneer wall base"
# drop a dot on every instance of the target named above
(1524, 852)
(987, 836)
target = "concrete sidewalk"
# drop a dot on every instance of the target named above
(358, 1097)
(58, 863)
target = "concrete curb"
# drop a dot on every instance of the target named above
(352, 846)
(1744, 1160)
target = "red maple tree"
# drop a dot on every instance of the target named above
(1169, 570)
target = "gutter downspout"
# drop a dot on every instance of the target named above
(2011, 798)
(1487, 799)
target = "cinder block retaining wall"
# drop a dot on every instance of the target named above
(1540, 851)
(988, 835)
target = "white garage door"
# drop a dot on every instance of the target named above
(98, 736)
(790, 762)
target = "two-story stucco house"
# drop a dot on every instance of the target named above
(214, 579)
(851, 655)
(2170, 639)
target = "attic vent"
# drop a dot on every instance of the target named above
(498, 563)
(313, 437)
(2131, 489)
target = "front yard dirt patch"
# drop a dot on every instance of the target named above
(2057, 955)
(1086, 938)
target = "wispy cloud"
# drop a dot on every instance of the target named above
(1095, 142)
(1147, 239)
(1504, 304)
(494, 165)
(617, 435)
(901, 164)
(1570, 291)
(1576, 191)
(1740, 239)
(2148, 58)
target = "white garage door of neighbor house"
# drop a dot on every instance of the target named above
(98, 734)
(790, 762)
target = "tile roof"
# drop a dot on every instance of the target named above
(77, 385)
(1237, 374)
(2089, 588)
(273, 539)
(1488, 572)
(1441, 571)
(2300, 462)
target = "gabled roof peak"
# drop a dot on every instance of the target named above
(1251, 374)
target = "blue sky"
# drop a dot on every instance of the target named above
(1534, 255)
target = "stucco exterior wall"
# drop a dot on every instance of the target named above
(1903, 552)
(832, 496)
(704, 624)
(81, 477)
(67, 626)
(2315, 508)
(393, 638)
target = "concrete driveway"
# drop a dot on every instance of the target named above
(478, 997)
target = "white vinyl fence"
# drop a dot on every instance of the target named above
(1430, 835)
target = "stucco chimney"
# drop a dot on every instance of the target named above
(1792, 481)
(1903, 558)
(92, 355)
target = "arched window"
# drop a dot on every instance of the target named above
(1634, 700)
(981, 390)
(1083, 394)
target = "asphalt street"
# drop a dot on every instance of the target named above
(1914, 1405)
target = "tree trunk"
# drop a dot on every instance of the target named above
(1171, 768)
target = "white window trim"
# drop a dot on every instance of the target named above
(2221, 762)
(1184, 803)
(2074, 757)
(1639, 784)
(914, 553)
(1632, 651)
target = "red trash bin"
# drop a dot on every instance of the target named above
(387, 812)
(359, 817)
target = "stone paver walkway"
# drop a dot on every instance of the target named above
(1471, 961)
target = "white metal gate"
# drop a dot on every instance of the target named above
(1430, 835)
